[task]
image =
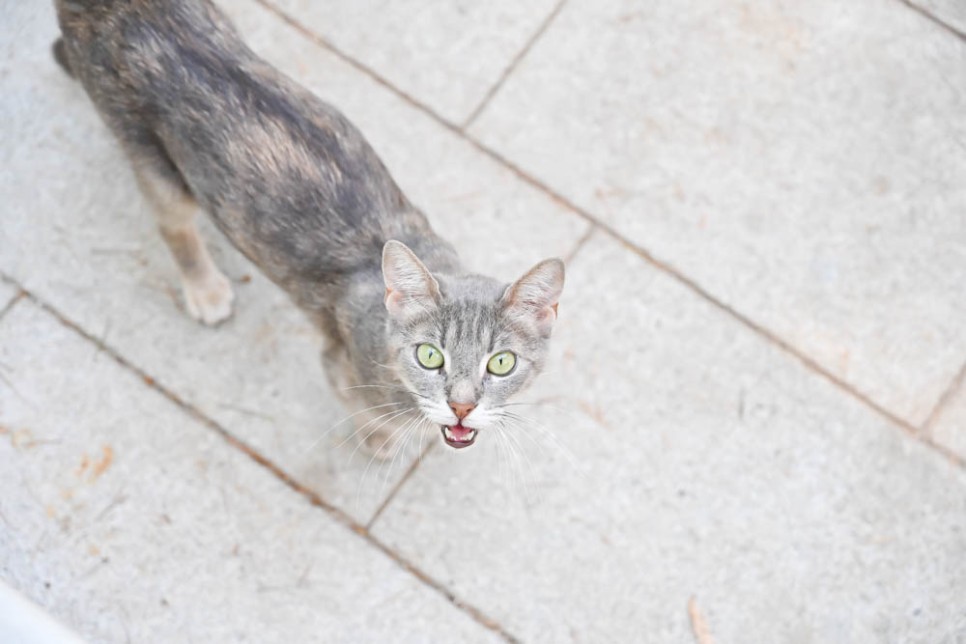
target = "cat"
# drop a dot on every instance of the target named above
(413, 342)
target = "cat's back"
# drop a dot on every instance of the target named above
(286, 176)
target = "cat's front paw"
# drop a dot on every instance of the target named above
(209, 300)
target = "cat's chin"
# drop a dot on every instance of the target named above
(458, 436)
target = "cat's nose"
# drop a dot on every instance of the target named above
(462, 410)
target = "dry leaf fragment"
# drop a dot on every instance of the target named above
(702, 634)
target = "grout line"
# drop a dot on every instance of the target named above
(935, 19)
(953, 388)
(513, 65)
(402, 481)
(659, 264)
(13, 302)
(352, 62)
(580, 244)
(790, 350)
(311, 496)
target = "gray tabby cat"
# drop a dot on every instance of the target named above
(413, 340)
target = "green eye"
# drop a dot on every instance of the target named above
(502, 363)
(429, 356)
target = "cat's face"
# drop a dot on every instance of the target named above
(464, 346)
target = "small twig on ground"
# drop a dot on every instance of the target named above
(702, 634)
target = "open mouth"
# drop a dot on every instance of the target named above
(458, 436)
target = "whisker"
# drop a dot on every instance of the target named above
(384, 366)
(355, 432)
(372, 458)
(535, 403)
(395, 413)
(326, 432)
(541, 446)
(402, 444)
(580, 421)
(517, 451)
(569, 413)
(421, 433)
(528, 423)
(554, 441)
(504, 458)
(389, 387)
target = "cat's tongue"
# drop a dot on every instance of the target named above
(458, 436)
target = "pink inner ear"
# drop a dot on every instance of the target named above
(545, 319)
(393, 302)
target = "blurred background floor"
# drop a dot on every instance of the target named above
(756, 405)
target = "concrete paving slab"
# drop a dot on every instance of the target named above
(708, 465)
(950, 12)
(132, 522)
(802, 163)
(447, 54)
(78, 234)
(949, 428)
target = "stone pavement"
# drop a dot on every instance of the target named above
(753, 428)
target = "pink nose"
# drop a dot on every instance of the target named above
(462, 410)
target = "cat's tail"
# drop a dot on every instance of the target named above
(60, 55)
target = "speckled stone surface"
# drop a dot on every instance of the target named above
(445, 54)
(949, 428)
(707, 465)
(129, 520)
(949, 12)
(803, 163)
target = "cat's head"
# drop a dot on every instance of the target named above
(464, 345)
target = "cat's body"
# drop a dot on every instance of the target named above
(294, 186)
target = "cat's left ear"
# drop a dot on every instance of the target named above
(410, 288)
(533, 298)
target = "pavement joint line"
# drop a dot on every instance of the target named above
(908, 428)
(591, 231)
(928, 15)
(12, 303)
(399, 484)
(509, 69)
(664, 267)
(308, 494)
(358, 66)
(947, 396)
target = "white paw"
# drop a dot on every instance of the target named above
(209, 299)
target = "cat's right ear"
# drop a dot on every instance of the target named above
(410, 288)
(533, 298)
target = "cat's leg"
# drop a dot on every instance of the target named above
(207, 292)
(208, 295)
